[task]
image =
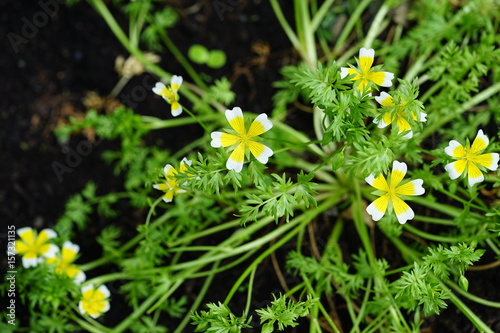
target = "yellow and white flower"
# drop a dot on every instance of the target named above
(468, 158)
(391, 193)
(35, 247)
(365, 74)
(399, 118)
(63, 262)
(170, 93)
(243, 139)
(94, 301)
(171, 185)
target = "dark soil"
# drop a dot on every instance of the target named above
(47, 74)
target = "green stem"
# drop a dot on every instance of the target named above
(199, 297)
(287, 29)
(159, 292)
(320, 14)
(440, 122)
(301, 221)
(354, 17)
(411, 257)
(376, 26)
(379, 280)
(181, 59)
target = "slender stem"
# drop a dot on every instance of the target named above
(320, 14)
(182, 60)
(355, 17)
(199, 297)
(249, 292)
(440, 122)
(376, 25)
(286, 27)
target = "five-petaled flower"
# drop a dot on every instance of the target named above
(468, 158)
(243, 139)
(171, 185)
(390, 193)
(365, 74)
(63, 262)
(94, 301)
(399, 117)
(33, 247)
(170, 93)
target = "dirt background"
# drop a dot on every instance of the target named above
(45, 77)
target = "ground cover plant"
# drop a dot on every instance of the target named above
(399, 156)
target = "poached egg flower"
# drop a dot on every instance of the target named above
(468, 158)
(399, 118)
(243, 139)
(392, 192)
(365, 74)
(94, 301)
(63, 262)
(171, 185)
(170, 93)
(34, 247)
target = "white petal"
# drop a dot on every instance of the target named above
(21, 231)
(79, 277)
(51, 233)
(418, 186)
(400, 166)
(423, 117)
(264, 157)
(344, 71)
(234, 165)
(106, 307)
(167, 168)
(451, 171)
(158, 88)
(30, 262)
(104, 290)
(87, 287)
(406, 215)
(80, 307)
(363, 52)
(494, 162)
(176, 112)
(387, 79)
(51, 252)
(216, 140)
(483, 137)
(262, 118)
(451, 147)
(408, 135)
(176, 79)
(473, 181)
(374, 212)
(235, 112)
(370, 179)
(185, 161)
(166, 200)
(383, 96)
(71, 246)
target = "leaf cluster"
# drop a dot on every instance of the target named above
(423, 285)
(283, 313)
(219, 319)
